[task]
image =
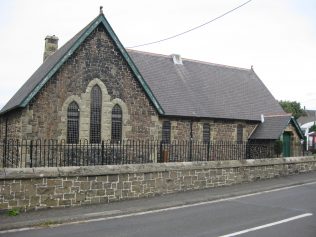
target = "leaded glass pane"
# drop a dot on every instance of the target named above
(73, 123)
(166, 130)
(116, 133)
(95, 115)
(206, 132)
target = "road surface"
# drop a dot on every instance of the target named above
(289, 211)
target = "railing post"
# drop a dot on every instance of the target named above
(31, 154)
(102, 152)
(161, 151)
(208, 150)
(4, 152)
(247, 155)
(190, 151)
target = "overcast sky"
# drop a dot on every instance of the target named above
(277, 37)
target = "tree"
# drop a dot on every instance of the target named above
(313, 128)
(292, 107)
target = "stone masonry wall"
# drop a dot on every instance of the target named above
(227, 130)
(291, 129)
(220, 130)
(36, 188)
(14, 125)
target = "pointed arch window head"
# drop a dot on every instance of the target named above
(95, 114)
(116, 133)
(73, 115)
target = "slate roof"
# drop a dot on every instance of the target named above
(309, 117)
(273, 127)
(194, 89)
(202, 89)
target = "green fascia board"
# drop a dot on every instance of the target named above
(98, 20)
(297, 127)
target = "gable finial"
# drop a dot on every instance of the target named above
(101, 11)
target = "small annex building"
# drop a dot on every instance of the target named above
(93, 88)
(280, 127)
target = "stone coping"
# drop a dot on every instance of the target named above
(50, 172)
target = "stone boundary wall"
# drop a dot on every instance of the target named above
(36, 188)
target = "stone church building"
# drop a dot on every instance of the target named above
(93, 88)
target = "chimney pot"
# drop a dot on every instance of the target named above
(51, 45)
(177, 59)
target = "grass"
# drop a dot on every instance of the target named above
(14, 212)
(48, 223)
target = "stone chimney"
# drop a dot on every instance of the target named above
(51, 45)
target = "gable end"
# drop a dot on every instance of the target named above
(78, 39)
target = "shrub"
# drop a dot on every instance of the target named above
(14, 212)
(278, 147)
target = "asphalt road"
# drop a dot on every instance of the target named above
(285, 212)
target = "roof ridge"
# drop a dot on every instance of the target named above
(277, 115)
(216, 64)
(150, 53)
(188, 59)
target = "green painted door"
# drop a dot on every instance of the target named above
(286, 144)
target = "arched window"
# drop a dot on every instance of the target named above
(73, 123)
(116, 133)
(95, 115)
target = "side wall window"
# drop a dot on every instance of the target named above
(116, 133)
(166, 131)
(73, 115)
(239, 133)
(95, 115)
(206, 132)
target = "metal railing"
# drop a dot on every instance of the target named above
(53, 153)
